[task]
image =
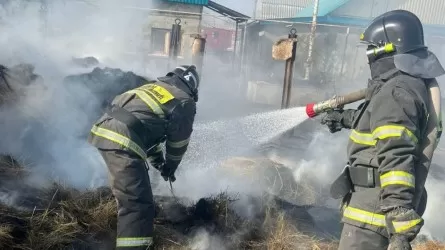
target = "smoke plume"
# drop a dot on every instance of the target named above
(46, 127)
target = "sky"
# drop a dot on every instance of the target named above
(245, 7)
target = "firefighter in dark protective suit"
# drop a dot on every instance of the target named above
(130, 134)
(378, 183)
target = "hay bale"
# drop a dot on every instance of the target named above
(284, 235)
(276, 178)
(283, 48)
(430, 245)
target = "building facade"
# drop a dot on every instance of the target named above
(164, 15)
(339, 24)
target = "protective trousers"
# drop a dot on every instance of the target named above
(130, 185)
(356, 238)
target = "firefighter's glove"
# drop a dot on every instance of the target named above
(157, 162)
(338, 119)
(399, 243)
(403, 225)
(168, 173)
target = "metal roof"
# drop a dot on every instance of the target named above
(271, 9)
(428, 11)
(234, 15)
(352, 22)
(197, 2)
(324, 7)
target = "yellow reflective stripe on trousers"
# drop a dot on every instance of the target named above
(364, 216)
(151, 103)
(178, 144)
(119, 139)
(397, 178)
(173, 157)
(134, 241)
(380, 133)
(401, 226)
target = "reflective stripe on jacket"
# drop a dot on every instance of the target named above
(148, 103)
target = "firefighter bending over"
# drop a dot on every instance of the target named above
(378, 184)
(131, 132)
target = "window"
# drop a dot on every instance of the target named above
(158, 40)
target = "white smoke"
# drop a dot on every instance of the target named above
(204, 240)
(47, 126)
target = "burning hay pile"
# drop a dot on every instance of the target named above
(58, 217)
(63, 218)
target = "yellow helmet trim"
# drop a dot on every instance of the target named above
(389, 48)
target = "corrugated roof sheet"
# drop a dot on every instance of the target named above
(198, 2)
(271, 9)
(324, 7)
(364, 9)
(428, 11)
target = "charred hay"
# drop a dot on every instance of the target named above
(106, 83)
(60, 217)
(86, 220)
(85, 62)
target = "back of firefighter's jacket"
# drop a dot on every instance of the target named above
(153, 104)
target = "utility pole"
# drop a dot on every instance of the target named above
(255, 10)
(288, 73)
(285, 50)
(44, 16)
(311, 40)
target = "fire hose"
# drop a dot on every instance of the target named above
(428, 143)
(314, 109)
(147, 165)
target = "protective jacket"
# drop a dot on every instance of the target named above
(383, 149)
(143, 118)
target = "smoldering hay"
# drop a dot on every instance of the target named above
(54, 109)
